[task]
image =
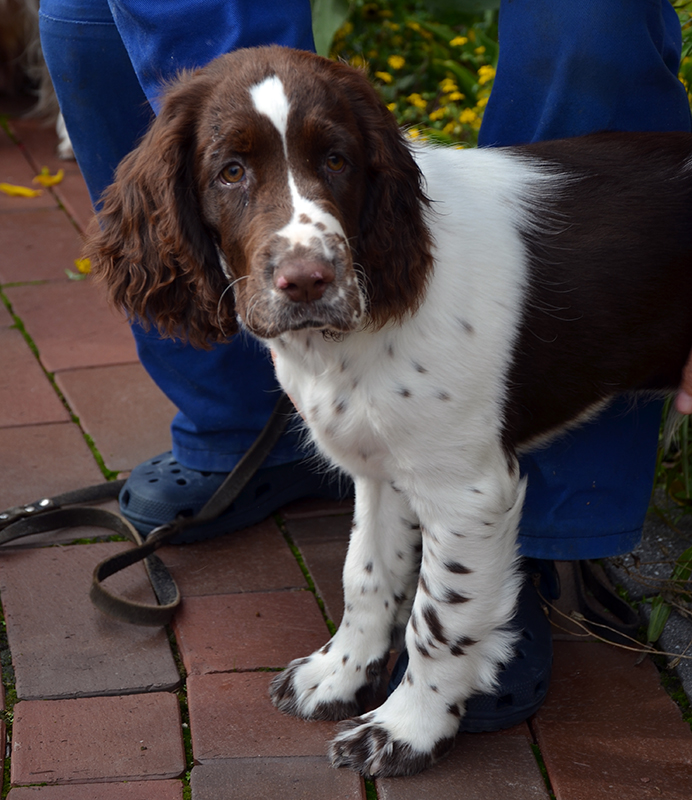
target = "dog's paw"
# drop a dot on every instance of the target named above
(324, 686)
(368, 747)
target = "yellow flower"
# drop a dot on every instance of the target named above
(414, 26)
(396, 62)
(454, 96)
(413, 133)
(438, 113)
(83, 265)
(468, 116)
(485, 74)
(479, 51)
(385, 77)
(482, 102)
(416, 100)
(391, 107)
(448, 128)
(448, 85)
(458, 41)
(357, 61)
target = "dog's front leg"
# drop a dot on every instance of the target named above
(457, 634)
(380, 572)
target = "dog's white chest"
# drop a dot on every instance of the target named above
(353, 406)
(369, 404)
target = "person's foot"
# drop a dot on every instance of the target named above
(523, 683)
(161, 489)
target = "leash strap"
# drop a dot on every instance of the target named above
(48, 514)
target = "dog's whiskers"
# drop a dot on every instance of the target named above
(218, 305)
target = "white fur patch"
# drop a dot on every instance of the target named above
(269, 98)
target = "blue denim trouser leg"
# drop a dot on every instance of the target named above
(225, 395)
(569, 68)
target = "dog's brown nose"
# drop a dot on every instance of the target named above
(303, 280)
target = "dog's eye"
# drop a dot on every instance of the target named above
(336, 163)
(232, 173)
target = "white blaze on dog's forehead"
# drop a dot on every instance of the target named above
(269, 98)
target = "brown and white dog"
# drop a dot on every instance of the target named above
(431, 312)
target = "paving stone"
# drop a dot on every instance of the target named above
(254, 559)
(40, 144)
(231, 716)
(61, 645)
(5, 316)
(481, 766)
(609, 730)
(227, 632)
(38, 245)
(26, 396)
(310, 507)
(122, 409)
(97, 739)
(135, 790)
(15, 169)
(323, 542)
(257, 778)
(73, 325)
(42, 461)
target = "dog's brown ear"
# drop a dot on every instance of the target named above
(149, 243)
(394, 246)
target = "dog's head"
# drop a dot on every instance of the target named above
(276, 173)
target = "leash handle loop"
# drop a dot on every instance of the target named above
(48, 514)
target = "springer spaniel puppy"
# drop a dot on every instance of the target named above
(431, 311)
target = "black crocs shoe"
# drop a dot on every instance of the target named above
(161, 489)
(523, 683)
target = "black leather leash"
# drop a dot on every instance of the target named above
(49, 514)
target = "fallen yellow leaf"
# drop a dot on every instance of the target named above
(46, 179)
(19, 191)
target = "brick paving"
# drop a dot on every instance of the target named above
(105, 711)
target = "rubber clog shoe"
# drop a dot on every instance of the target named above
(160, 489)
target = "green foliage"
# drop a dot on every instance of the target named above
(327, 17)
(434, 76)
(676, 591)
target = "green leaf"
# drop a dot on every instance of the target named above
(660, 611)
(327, 17)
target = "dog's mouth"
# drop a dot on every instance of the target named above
(270, 317)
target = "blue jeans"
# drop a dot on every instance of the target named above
(107, 61)
(569, 68)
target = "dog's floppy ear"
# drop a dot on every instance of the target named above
(394, 244)
(149, 244)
